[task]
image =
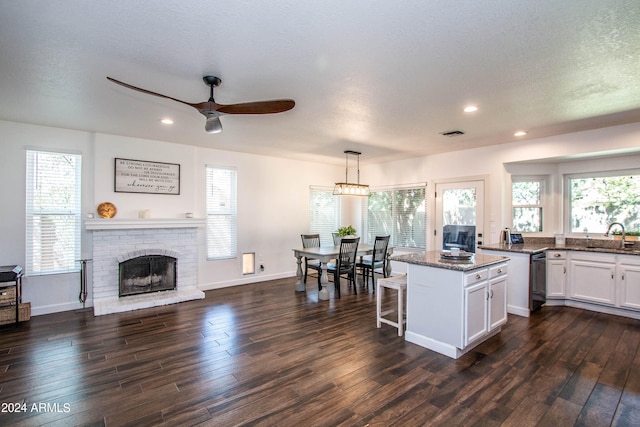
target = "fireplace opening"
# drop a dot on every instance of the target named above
(146, 274)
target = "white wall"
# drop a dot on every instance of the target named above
(272, 193)
(490, 162)
(52, 292)
(272, 204)
(109, 147)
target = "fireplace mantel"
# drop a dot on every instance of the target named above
(117, 238)
(142, 223)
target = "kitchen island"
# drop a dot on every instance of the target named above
(452, 306)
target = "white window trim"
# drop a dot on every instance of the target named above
(324, 238)
(233, 212)
(75, 211)
(544, 200)
(566, 192)
(365, 212)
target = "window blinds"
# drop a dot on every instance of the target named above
(399, 213)
(53, 218)
(324, 213)
(221, 212)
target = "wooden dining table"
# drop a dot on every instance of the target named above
(325, 254)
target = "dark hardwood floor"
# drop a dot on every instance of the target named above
(264, 355)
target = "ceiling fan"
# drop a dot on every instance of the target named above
(212, 110)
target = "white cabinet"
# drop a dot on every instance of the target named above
(451, 311)
(628, 281)
(498, 299)
(593, 278)
(556, 274)
(517, 281)
(604, 282)
(476, 306)
(485, 302)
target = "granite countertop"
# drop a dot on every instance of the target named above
(536, 245)
(433, 259)
(526, 248)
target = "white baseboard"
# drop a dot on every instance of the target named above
(57, 308)
(633, 314)
(246, 280)
(518, 311)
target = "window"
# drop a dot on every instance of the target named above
(221, 212)
(596, 200)
(526, 201)
(53, 212)
(324, 213)
(399, 213)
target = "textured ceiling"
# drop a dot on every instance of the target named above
(380, 77)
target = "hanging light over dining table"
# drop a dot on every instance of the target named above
(350, 189)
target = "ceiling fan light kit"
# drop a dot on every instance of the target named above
(213, 125)
(350, 189)
(212, 110)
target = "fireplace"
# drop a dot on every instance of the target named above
(146, 274)
(145, 241)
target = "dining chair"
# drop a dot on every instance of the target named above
(345, 263)
(311, 241)
(378, 260)
(336, 239)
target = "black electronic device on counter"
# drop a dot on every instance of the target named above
(516, 238)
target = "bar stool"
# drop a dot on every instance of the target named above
(398, 283)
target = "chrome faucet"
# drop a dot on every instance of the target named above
(623, 232)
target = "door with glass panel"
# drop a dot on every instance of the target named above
(459, 215)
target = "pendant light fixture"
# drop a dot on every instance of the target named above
(346, 188)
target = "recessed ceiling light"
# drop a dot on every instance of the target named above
(470, 108)
(520, 133)
(166, 121)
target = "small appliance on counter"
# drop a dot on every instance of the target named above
(509, 238)
(516, 238)
(505, 236)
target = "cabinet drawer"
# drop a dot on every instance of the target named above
(498, 270)
(556, 255)
(7, 295)
(629, 259)
(475, 277)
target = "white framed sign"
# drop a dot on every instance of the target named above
(140, 176)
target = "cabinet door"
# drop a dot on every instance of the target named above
(556, 278)
(475, 312)
(629, 279)
(593, 281)
(497, 302)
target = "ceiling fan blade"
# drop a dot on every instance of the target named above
(259, 107)
(148, 92)
(212, 110)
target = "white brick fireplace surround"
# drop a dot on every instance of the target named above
(115, 238)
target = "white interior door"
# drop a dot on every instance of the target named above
(459, 215)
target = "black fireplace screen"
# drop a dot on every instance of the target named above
(145, 274)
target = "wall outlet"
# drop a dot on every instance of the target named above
(261, 267)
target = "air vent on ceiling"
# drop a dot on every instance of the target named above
(452, 133)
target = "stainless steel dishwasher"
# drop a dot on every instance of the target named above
(537, 281)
